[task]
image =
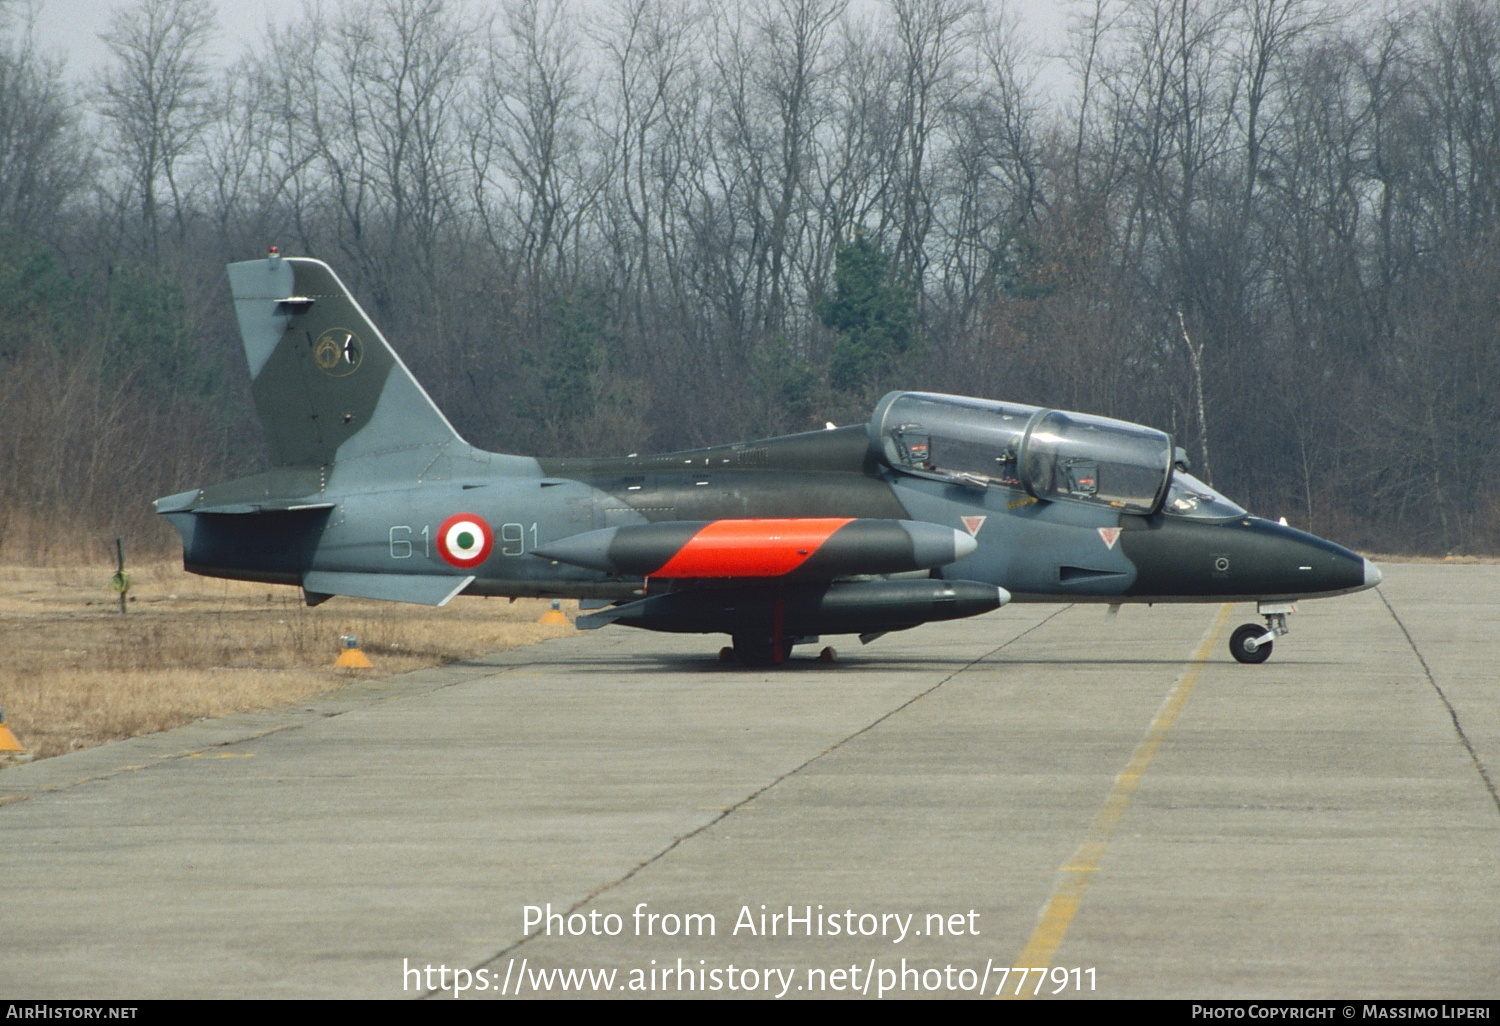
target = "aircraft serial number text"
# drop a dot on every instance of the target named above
(511, 540)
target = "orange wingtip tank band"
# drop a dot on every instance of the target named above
(750, 548)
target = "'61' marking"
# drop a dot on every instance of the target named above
(403, 540)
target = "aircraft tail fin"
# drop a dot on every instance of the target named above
(327, 385)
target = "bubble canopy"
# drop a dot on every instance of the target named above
(1053, 455)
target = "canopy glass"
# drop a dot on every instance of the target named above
(1053, 455)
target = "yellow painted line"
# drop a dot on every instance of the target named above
(1062, 906)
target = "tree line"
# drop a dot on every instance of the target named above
(1268, 226)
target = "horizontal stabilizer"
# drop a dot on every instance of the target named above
(423, 589)
(179, 503)
(274, 506)
(187, 502)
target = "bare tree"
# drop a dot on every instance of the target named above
(791, 59)
(536, 173)
(930, 39)
(993, 173)
(853, 177)
(649, 47)
(43, 159)
(245, 168)
(155, 96)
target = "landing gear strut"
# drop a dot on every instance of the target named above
(1251, 643)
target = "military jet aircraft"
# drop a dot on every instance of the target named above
(939, 507)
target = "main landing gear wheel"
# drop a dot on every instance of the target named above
(753, 651)
(1246, 646)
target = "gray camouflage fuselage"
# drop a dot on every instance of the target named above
(368, 473)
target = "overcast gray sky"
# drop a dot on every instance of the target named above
(71, 28)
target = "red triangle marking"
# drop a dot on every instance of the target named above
(973, 524)
(1110, 536)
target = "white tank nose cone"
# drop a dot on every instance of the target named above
(1372, 574)
(964, 544)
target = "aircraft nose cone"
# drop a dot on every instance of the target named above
(1372, 574)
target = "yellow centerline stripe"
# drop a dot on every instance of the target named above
(1057, 914)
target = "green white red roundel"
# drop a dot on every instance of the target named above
(465, 540)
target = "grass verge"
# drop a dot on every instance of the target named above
(74, 672)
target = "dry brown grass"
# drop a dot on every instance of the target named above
(1376, 557)
(74, 672)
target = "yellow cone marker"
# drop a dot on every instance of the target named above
(8, 742)
(554, 615)
(351, 658)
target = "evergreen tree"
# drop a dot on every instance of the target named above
(149, 334)
(873, 314)
(39, 303)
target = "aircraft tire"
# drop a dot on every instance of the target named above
(1239, 648)
(752, 651)
(755, 651)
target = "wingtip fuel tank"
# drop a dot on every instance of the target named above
(787, 548)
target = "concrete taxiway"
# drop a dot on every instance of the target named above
(1112, 797)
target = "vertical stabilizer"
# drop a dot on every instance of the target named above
(327, 385)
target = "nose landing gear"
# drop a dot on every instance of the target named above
(1251, 643)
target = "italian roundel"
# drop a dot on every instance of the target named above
(465, 540)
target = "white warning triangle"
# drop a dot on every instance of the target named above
(1110, 536)
(973, 524)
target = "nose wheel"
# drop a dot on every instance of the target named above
(1251, 643)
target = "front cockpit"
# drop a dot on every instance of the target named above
(1050, 454)
(1190, 497)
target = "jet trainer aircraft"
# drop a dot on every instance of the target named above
(940, 507)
